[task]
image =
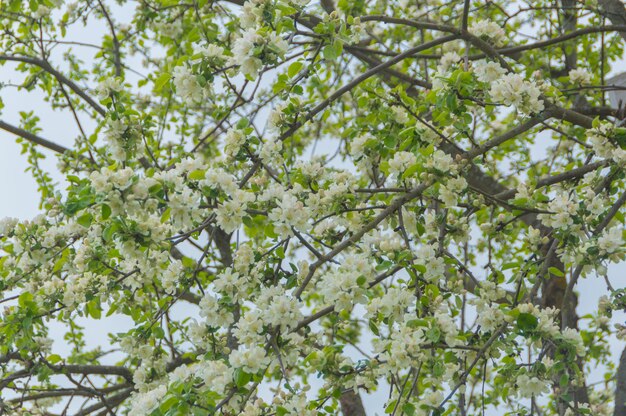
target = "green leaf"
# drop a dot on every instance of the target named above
(294, 69)
(511, 265)
(196, 175)
(527, 322)
(85, 220)
(408, 409)
(332, 51)
(619, 135)
(433, 334)
(166, 215)
(596, 122)
(269, 231)
(556, 272)
(112, 308)
(168, 403)
(106, 211)
(161, 81)
(93, 309)
(25, 299)
(410, 171)
(54, 358)
(241, 377)
(374, 327)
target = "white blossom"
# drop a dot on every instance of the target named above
(529, 386)
(489, 31)
(513, 89)
(447, 61)
(251, 360)
(400, 162)
(579, 76)
(487, 71)
(108, 86)
(186, 84)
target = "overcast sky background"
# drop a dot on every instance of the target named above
(19, 195)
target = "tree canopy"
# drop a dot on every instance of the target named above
(293, 207)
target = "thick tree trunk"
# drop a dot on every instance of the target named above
(351, 404)
(620, 388)
(615, 11)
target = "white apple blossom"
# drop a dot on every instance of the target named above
(447, 62)
(400, 114)
(400, 162)
(529, 386)
(487, 71)
(513, 89)
(611, 240)
(246, 55)
(579, 76)
(233, 141)
(107, 86)
(145, 403)
(489, 31)
(186, 84)
(251, 360)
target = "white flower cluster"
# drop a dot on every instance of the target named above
(346, 285)
(488, 31)
(529, 385)
(434, 265)
(394, 303)
(233, 141)
(255, 12)
(579, 76)
(402, 349)
(251, 360)
(167, 29)
(357, 146)
(290, 212)
(611, 241)
(278, 309)
(252, 46)
(562, 209)
(212, 52)
(145, 403)
(107, 86)
(187, 85)
(546, 323)
(123, 138)
(451, 190)
(490, 316)
(513, 89)
(448, 61)
(399, 114)
(441, 162)
(215, 314)
(216, 376)
(41, 12)
(400, 162)
(7, 225)
(603, 147)
(487, 71)
(270, 151)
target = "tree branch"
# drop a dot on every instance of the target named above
(33, 138)
(59, 76)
